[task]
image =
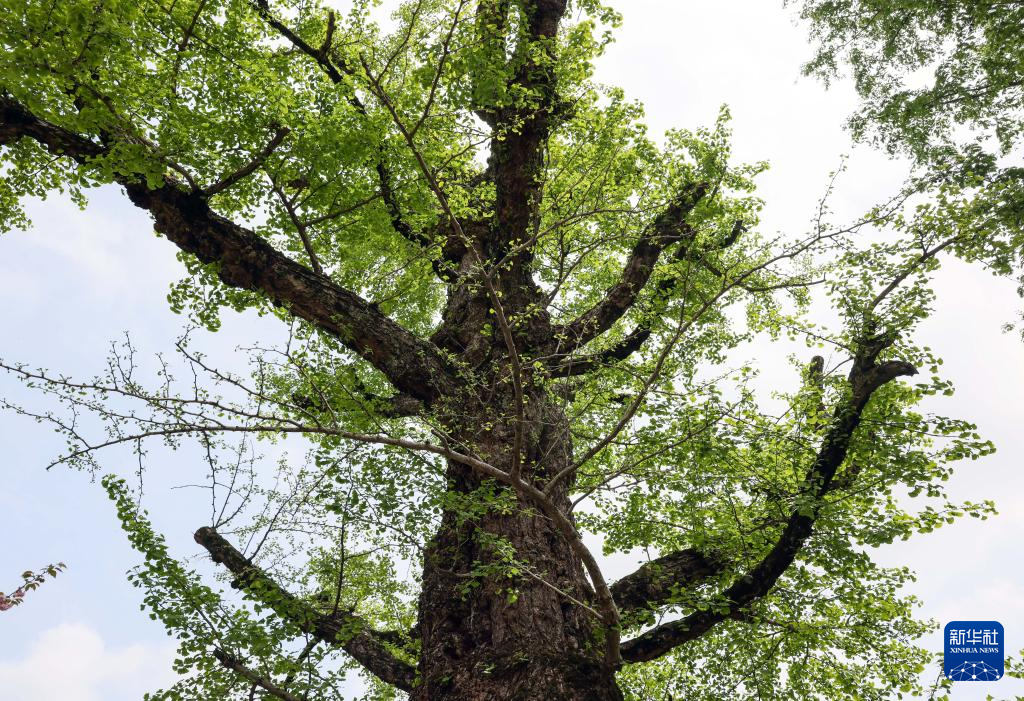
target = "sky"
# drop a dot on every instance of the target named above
(79, 280)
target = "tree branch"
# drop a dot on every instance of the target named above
(249, 168)
(521, 129)
(321, 55)
(570, 366)
(582, 365)
(246, 261)
(668, 228)
(336, 74)
(655, 582)
(235, 665)
(300, 227)
(341, 629)
(866, 376)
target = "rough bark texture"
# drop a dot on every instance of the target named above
(481, 642)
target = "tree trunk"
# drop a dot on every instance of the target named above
(499, 637)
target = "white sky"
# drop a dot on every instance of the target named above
(78, 280)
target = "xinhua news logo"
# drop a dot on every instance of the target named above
(974, 651)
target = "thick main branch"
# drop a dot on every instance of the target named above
(521, 129)
(341, 629)
(866, 376)
(246, 261)
(656, 582)
(668, 228)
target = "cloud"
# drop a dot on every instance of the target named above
(110, 250)
(71, 662)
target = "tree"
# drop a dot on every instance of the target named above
(512, 318)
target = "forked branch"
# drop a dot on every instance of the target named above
(251, 166)
(866, 376)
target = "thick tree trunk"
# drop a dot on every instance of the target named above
(495, 637)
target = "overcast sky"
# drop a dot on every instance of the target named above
(79, 280)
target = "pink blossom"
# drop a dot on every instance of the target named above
(9, 602)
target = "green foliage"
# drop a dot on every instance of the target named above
(925, 68)
(941, 82)
(202, 620)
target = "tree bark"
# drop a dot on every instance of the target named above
(534, 635)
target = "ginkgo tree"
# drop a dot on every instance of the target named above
(513, 323)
